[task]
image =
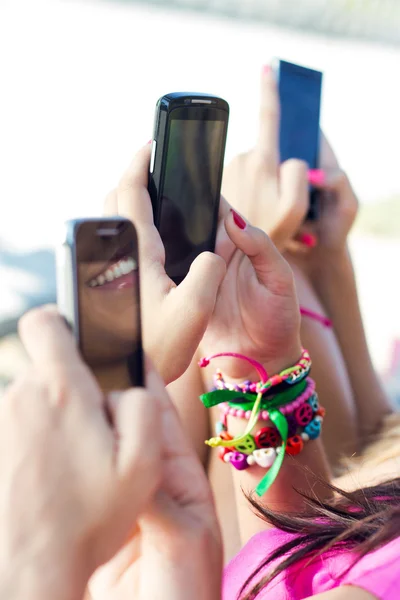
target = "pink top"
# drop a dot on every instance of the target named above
(377, 573)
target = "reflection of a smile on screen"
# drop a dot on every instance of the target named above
(108, 301)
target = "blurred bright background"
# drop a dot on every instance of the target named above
(80, 79)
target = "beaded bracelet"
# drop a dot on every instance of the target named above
(289, 376)
(256, 394)
(230, 408)
(263, 447)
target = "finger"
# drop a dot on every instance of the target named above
(47, 339)
(137, 423)
(270, 268)
(110, 207)
(136, 415)
(190, 306)
(297, 247)
(133, 198)
(267, 146)
(331, 181)
(294, 199)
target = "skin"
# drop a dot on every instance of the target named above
(276, 198)
(93, 493)
(255, 276)
(155, 499)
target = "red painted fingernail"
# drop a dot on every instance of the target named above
(149, 142)
(308, 239)
(239, 221)
(316, 176)
(266, 69)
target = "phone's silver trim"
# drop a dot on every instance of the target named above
(65, 273)
(200, 101)
(153, 156)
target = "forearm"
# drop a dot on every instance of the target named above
(335, 284)
(282, 495)
(185, 393)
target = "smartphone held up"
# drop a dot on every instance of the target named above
(98, 295)
(300, 91)
(185, 175)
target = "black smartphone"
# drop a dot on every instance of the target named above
(185, 176)
(98, 294)
(300, 91)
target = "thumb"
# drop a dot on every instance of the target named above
(134, 415)
(269, 266)
(191, 304)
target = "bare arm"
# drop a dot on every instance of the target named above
(185, 393)
(335, 284)
(282, 495)
(341, 432)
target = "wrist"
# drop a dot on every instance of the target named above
(236, 371)
(329, 262)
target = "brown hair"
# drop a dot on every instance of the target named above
(361, 520)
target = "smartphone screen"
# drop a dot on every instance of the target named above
(106, 256)
(300, 98)
(190, 194)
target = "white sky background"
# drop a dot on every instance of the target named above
(78, 86)
(79, 81)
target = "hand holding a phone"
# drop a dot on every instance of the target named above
(175, 552)
(82, 473)
(271, 196)
(257, 312)
(174, 317)
(74, 476)
(338, 209)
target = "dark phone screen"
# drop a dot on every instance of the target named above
(300, 97)
(192, 182)
(108, 298)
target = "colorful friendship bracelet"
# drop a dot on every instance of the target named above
(289, 376)
(255, 395)
(231, 408)
(263, 447)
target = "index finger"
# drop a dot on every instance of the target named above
(268, 138)
(133, 197)
(47, 340)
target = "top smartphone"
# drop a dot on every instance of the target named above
(98, 294)
(300, 91)
(185, 176)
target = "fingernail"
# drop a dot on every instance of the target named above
(316, 176)
(149, 142)
(308, 239)
(239, 221)
(266, 69)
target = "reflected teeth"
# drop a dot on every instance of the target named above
(123, 267)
